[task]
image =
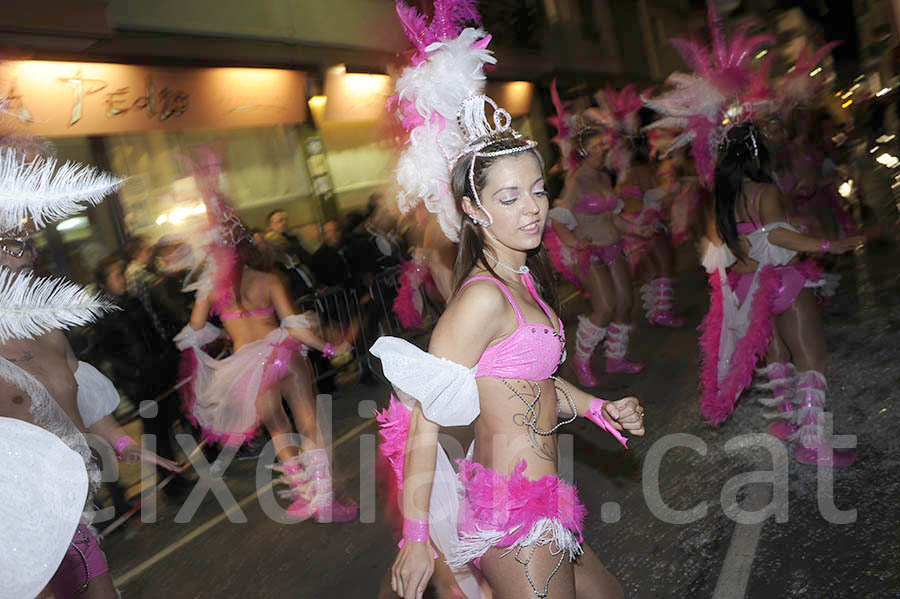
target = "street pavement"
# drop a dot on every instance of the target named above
(805, 556)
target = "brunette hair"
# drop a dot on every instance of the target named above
(101, 272)
(743, 154)
(470, 249)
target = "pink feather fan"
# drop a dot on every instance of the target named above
(446, 23)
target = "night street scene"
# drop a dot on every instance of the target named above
(450, 299)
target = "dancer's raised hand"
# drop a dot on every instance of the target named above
(625, 414)
(134, 454)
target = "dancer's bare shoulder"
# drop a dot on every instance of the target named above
(770, 209)
(474, 319)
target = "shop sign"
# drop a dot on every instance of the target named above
(71, 98)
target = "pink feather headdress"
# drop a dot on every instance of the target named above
(447, 68)
(798, 86)
(440, 102)
(705, 104)
(566, 127)
(617, 114)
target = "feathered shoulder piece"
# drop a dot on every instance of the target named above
(617, 114)
(447, 68)
(704, 104)
(800, 85)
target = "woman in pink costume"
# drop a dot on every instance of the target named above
(810, 185)
(643, 201)
(229, 398)
(754, 255)
(645, 206)
(498, 340)
(584, 244)
(584, 241)
(506, 515)
(760, 298)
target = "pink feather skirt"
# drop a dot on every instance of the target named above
(512, 511)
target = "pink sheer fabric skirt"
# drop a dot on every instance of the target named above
(221, 400)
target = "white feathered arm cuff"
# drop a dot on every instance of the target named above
(446, 390)
(189, 337)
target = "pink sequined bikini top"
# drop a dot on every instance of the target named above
(238, 314)
(597, 204)
(532, 352)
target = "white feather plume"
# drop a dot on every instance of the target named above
(36, 188)
(692, 96)
(32, 305)
(452, 72)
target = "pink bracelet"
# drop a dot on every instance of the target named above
(121, 443)
(595, 415)
(826, 245)
(415, 531)
(328, 350)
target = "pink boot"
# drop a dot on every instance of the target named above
(616, 346)
(586, 339)
(659, 303)
(811, 446)
(315, 494)
(783, 384)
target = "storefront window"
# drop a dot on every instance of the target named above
(74, 246)
(262, 169)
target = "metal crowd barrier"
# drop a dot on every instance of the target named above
(337, 309)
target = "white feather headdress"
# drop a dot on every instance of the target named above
(31, 306)
(40, 190)
(429, 96)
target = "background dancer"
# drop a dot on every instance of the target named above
(758, 284)
(584, 241)
(643, 200)
(229, 398)
(646, 204)
(584, 244)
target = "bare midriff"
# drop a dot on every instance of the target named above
(501, 437)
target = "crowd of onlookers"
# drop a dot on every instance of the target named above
(134, 345)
